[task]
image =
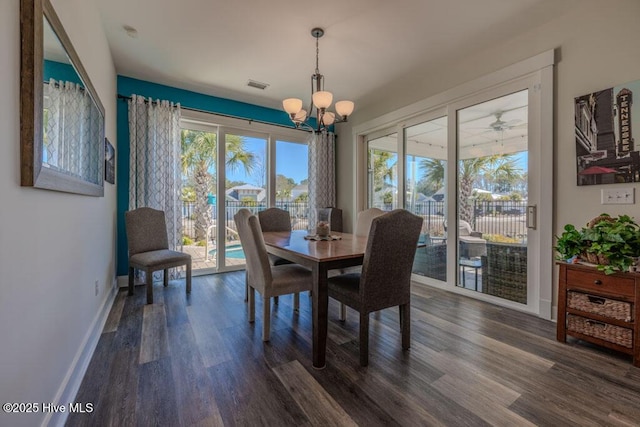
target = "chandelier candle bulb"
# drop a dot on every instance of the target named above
(328, 118)
(292, 105)
(322, 99)
(300, 116)
(344, 108)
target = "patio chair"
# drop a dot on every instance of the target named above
(149, 251)
(472, 245)
(385, 279)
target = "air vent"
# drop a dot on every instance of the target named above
(257, 85)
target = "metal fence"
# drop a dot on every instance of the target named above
(299, 215)
(504, 218)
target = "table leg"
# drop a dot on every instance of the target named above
(320, 312)
(476, 285)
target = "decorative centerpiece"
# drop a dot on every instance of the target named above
(323, 229)
(612, 244)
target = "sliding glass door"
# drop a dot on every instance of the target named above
(382, 170)
(226, 168)
(425, 147)
(492, 196)
(472, 170)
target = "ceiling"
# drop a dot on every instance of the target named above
(216, 47)
(495, 127)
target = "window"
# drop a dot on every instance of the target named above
(257, 166)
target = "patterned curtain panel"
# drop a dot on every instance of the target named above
(68, 125)
(154, 161)
(322, 174)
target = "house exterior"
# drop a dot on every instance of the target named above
(246, 192)
(59, 251)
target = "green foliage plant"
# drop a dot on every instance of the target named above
(617, 240)
(570, 243)
(614, 242)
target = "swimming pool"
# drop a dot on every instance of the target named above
(232, 251)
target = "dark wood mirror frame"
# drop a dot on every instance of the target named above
(32, 172)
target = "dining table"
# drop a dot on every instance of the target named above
(320, 256)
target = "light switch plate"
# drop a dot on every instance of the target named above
(618, 196)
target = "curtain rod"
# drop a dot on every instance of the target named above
(222, 115)
(60, 84)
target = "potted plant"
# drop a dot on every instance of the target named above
(569, 244)
(611, 243)
(615, 242)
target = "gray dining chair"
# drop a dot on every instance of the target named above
(385, 279)
(334, 215)
(363, 225)
(273, 219)
(269, 280)
(149, 251)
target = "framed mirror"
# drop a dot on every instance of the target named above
(61, 117)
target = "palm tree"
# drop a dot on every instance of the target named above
(497, 166)
(500, 168)
(380, 169)
(435, 171)
(198, 161)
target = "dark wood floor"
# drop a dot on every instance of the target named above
(196, 360)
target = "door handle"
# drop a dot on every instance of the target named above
(531, 216)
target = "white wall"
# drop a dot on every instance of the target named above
(53, 246)
(597, 48)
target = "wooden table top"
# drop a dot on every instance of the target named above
(350, 246)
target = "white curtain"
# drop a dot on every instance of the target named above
(322, 175)
(68, 127)
(154, 161)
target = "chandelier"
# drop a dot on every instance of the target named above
(320, 99)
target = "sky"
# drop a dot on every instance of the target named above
(292, 161)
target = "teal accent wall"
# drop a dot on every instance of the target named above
(60, 71)
(128, 86)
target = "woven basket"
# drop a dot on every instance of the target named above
(610, 333)
(599, 219)
(606, 307)
(596, 258)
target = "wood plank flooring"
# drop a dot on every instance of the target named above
(197, 361)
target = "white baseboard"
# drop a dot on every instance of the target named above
(123, 281)
(71, 384)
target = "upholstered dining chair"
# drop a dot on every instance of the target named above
(385, 279)
(334, 215)
(364, 219)
(363, 225)
(149, 251)
(273, 219)
(268, 280)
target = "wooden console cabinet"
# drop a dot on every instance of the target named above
(599, 308)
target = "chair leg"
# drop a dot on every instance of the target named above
(266, 318)
(246, 287)
(296, 302)
(131, 273)
(364, 339)
(343, 312)
(405, 325)
(149, 278)
(252, 304)
(189, 277)
(165, 278)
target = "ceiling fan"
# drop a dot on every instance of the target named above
(500, 125)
